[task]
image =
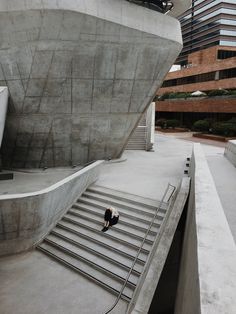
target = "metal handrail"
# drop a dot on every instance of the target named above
(141, 246)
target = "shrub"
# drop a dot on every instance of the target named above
(178, 95)
(232, 92)
(174, 95)
(201, 125)
(173, 123)
(161, 123)
(217, 92)
(224, 128)
(164, 96)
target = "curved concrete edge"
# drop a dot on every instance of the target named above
(230, 152)
(207, 282)
(53, 186)
(116, 11)
(26, 219)
(144, 292)
(3, 109)
(180, 6)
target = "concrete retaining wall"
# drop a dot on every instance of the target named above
(26, 218)
(230, 151)
(207, 281)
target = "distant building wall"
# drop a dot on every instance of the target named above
(216, 105)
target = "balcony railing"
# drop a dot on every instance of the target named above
(163, 6)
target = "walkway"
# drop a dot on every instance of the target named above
(33, 284)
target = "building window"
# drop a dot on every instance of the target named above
(225, 54)
(228, 73)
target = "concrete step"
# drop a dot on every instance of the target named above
(99, 275)
(98, 202)
(106, 238)
(123, 203)
(136, 218)
(120, 227)
(106, 257)
(98, 259)
(124, 220)
(126, 237)
(123, 196)
(135, 148)
(98, 247)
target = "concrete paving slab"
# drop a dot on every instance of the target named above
(25, 181)
(32, 283)
(147, 173)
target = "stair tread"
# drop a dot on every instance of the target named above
(119, 227)
(147, 216)
(112, 231)
(87, 269)
(124, 219)
(107, 201)
(99, 247)
(98, 260)
(144, 201)
(103, 238)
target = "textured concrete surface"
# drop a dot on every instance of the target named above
(230, 152)
(224, 175)
(209, 251)
(3, 109)
(32, 283)
(148, 173)
(26, 181)
(149, 281)
(80, 74)
(145, 174)
(25, 218)
(53, 289)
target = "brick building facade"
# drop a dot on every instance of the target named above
(208, 69)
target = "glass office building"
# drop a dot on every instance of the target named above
(207, 23)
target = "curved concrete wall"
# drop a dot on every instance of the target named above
(26, 218)
(80, 74)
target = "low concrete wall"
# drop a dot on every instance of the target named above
(26, 218)
(230, 151)
(3, 109)
(148, 282)
(207, 281)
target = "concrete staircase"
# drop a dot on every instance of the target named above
(142, 137)
(106, 258)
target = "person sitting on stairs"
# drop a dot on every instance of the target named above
(111, 218)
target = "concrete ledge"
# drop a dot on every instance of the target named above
(230, 151)
(3, 109)
(207, 281)
(26, 218)
(144, 292)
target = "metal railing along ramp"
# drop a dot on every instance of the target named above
(115, 260)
